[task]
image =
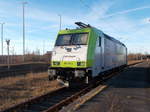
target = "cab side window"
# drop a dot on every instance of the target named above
(100, 41)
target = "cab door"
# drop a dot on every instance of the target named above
(97, 59)
(102, 54)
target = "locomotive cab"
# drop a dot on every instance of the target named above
(69, 56)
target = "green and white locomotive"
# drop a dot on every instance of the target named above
(84, 53)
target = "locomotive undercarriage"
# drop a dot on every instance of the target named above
(70, 75)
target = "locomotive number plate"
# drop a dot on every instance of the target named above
(68, 63)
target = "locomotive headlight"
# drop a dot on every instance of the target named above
(80, 63)
(56, 63)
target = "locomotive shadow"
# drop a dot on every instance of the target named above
(135, 77)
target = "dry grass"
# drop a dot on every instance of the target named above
(134, 61)
(20, 88)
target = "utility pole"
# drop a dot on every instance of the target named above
(59, 21)
(43, 47)
(23, 12)
(2, 39)
(8, 60)
(12, 51)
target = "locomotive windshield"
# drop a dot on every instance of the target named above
(72, 39)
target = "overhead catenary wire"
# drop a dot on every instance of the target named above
(87, 6)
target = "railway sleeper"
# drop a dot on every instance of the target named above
(37, 107)
(29, 111)
(46, 104)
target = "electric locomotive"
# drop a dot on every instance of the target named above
(83, 53)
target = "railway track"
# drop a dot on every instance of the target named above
(16, 72)
(54, 101)
(22, 69)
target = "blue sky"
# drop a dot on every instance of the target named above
(126, 20)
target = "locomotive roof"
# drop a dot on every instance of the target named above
(109, 37)
(78, 30)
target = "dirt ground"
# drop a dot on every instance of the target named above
(134, 61)
(20, 88)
